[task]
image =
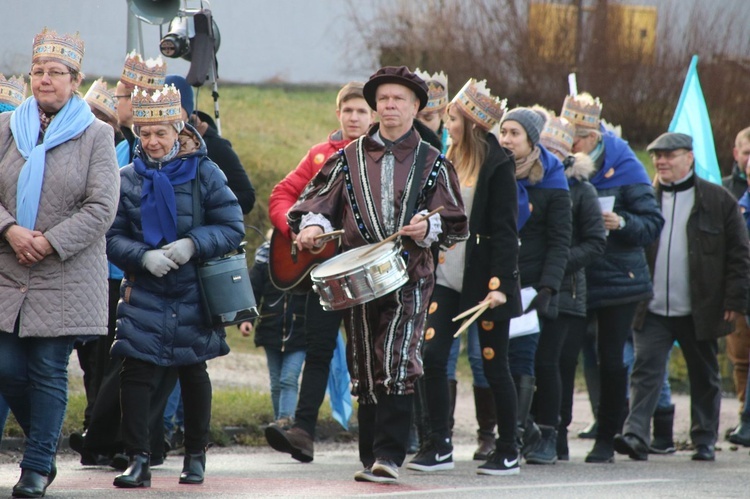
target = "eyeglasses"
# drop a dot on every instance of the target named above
(668, 155)
(53, 74)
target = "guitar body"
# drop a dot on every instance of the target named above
(290, 267)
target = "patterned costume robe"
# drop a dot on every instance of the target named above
(386, 334)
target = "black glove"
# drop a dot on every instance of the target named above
(540, 302)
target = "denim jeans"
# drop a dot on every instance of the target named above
(34, 383)
(174, 413)
(4, 410)
(475, 357)
(284, 369)
(521, 354)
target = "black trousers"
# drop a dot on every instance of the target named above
(136, 390)
(571, 350)
(321, 333)
(547, 368)
(493, 340)
(614, 325)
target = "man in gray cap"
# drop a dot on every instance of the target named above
(366, 189)
(700, 268)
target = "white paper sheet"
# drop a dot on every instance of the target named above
(527, 323)
(607, 203)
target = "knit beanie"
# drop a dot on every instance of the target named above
(531, 121)
(4, 106)
(186, 92)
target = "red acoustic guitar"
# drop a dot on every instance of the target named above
(290, 267)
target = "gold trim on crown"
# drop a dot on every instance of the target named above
(13, 90)
(102, 99)
(558, 135)
(476, 102)
(160, 107)
(67, 49)
(149, 74)
(582, 110)
(437, 90)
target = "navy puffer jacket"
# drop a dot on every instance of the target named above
(160, 319)
(621, 275)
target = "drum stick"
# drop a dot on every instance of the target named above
(396, 234)
(329, 235)
(471, 310)
(470, 320)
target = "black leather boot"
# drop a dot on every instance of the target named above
(193, 468)
(32, 483)
(484, 402)
(528, 432)
(138, 473)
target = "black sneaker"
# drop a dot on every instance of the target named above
(366, 475)
(500, 464)
(436, 456)
(385, 469)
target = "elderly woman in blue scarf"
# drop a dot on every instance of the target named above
(58, 195)
(157, 243)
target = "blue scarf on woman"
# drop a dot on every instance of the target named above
(620, 167)
(158, 205)
(554, 178)
(71, 121)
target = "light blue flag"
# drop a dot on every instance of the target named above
(691, 117)
(339, 391)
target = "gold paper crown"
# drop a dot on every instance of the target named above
(148, 74)
(437, 90)
(582, 110)
(12, 91)
(159, 107)
(67, 49)
(476, 102)
(558, 135)
(102, 99)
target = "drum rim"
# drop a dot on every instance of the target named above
(316, 275)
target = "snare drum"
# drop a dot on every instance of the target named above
(351, 279)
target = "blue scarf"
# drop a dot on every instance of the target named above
(122, 150)
(70, 122)
(158, 205)
(554, 178)
(745, 205)
(620, 166)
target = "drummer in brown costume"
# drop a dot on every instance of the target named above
(365, 190)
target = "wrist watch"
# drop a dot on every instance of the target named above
(622, 223)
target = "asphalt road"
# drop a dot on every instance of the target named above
(261, 472)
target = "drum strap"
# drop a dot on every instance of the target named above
(416, 180)
(197, 210)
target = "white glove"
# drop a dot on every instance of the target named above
(180, 251)
(157, 263)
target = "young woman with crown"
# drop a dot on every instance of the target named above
(484, 268)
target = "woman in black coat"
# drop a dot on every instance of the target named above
(482, 268)
(555, 383)
(544, 230)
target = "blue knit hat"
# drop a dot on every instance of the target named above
(186, 92)
(530, 120)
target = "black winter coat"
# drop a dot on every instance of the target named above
(545, 241)
(736, 182)
(492, 247)
(160, 319)
(281, 323)
(588, 238)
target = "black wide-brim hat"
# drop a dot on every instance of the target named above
(399, 75)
